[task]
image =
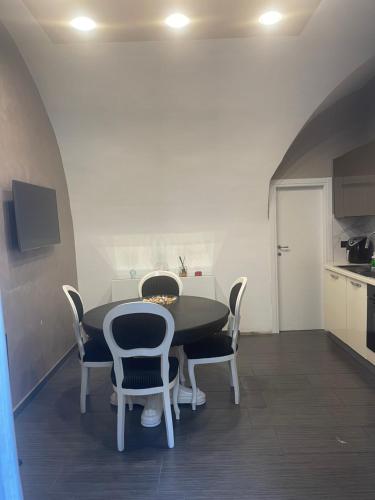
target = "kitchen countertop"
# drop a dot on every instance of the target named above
(349, 274)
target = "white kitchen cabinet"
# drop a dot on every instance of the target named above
(335, 305)
(346, 311)
(356, 294)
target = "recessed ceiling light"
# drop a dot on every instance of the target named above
(270, 17)
(177, 20)
(83, 23)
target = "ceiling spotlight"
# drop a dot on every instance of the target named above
(177, 20)
(270, 17)
(83, 24)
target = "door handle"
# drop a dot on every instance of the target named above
(334, 276)
(281, 247)
(357, 285)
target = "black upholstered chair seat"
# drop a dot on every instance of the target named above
(96, 352)
(215, 346)
(143, 373)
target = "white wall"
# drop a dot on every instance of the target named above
(172, 145)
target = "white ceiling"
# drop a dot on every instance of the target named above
(143, 20)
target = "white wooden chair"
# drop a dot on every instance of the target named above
(164, 283)
(92, 353)
(221, 347)
(139, 336)
(160, 283)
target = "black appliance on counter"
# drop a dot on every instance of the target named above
(360, 250)
(371, 317)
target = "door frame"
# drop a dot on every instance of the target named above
(326, 184)
(9, 469)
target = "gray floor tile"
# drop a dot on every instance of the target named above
(304, 430)
(351, 380)
(356, 396)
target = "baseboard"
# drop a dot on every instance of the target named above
(354, 354)
(38, 386)
(255, 334)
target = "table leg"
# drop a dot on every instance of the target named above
(153, 405)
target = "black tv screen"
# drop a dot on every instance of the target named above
(36, 216)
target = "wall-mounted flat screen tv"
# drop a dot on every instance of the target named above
(36, 215)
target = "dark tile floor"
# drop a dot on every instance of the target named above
(305, 429)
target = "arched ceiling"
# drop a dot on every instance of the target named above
(353, 82)
(347, 107)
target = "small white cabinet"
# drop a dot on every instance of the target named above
(199, 286)
(356, 293)
(335, 320)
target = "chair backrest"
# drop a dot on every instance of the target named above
(235, 299)
(160, 283)
(139, 329)
(76, 305)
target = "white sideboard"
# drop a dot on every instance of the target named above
(198, 286)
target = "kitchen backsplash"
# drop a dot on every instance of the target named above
(346, 228)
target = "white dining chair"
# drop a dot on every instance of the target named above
(160, 283)
(92, 353)
(220, 347)
(164, 283)
(139, 336)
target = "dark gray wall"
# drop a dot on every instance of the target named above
(37, 319)
(358, 161)
(347, 124)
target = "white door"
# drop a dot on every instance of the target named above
(300, 257)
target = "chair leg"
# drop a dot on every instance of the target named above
(88, 381)
(120, 421)
(175, 396)
(230, 374)
(84, 380)
(181, 361)
(168, 418)
(130, 403)
(233, 366)
(193, 384)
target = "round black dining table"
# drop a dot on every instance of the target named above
(195, 318)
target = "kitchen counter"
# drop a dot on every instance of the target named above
(349, 274)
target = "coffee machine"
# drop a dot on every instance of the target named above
(359, 250)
